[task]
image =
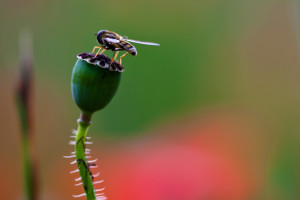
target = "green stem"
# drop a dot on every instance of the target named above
(29, 157)
(83, 166)
(27, 168)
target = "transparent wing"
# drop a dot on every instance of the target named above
(141, 42)
(111, 40)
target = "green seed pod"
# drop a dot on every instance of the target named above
(94, 82)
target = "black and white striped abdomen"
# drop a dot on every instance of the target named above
(128, 47)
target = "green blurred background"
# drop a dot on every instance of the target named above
(217, 103)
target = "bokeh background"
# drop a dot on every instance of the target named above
(211, 114)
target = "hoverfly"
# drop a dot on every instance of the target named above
(109, 40)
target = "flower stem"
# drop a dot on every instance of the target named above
(24, 97)
(84, 123)
(28, 164)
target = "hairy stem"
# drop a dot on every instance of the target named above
(83, 166)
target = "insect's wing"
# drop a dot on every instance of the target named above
(141, 42)
(111, 40)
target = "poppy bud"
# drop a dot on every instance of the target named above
(95, 81)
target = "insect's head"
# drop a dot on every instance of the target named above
(100, 35)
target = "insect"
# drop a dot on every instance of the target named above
(109, 40)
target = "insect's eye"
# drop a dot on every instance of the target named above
(99, 36)
(100, 32)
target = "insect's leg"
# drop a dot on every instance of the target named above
(112, 59)
(96, 47)
(102, 51)
(98, 52)
(122, 57)
(116, 55)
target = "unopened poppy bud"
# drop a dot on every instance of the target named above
(95, 81)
